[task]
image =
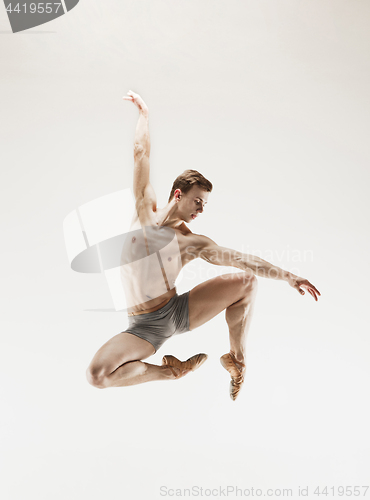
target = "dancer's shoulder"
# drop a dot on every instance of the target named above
(183, 228)
(199, 241)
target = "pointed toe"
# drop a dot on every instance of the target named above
(237, 378)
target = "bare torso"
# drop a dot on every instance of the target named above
(164, 249)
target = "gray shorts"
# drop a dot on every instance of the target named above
(158, 326)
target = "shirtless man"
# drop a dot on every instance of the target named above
(119, 362)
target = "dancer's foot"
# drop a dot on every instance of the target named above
(190, 364)
(236, 369)
(175, 373)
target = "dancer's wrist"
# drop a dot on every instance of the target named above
(289, 277)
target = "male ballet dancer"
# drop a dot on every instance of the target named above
(119, 362)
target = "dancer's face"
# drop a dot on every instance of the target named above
(192, 203)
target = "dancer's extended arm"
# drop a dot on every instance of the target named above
(141, 183)
(209, 251)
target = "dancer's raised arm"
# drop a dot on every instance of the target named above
(141, 149)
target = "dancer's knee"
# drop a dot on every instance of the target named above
(253, 282)
(96, 377)
(244, 279)
(250, 283)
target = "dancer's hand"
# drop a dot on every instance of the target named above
(300, 284)
(138, 101)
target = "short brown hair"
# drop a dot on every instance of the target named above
(187, 180)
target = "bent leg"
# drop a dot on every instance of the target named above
(118, 363)
(235, 292)
(238, 318)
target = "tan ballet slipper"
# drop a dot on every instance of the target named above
(177, 372)
(190, 364)
(229, 362)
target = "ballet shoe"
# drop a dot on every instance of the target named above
(179, 373)
(229, 362)
(190, 364)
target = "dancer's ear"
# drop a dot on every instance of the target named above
(177, 195)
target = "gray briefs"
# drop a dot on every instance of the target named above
(158, 326)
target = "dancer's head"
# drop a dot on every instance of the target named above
(190, 191)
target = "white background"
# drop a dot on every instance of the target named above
(270, 101)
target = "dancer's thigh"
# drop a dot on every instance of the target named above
(120, 349)
(213, 296)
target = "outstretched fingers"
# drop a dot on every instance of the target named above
(137, 100)
(312, 293)
(130, 96)
(312, 290)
